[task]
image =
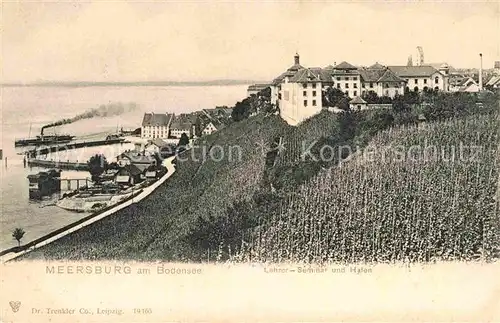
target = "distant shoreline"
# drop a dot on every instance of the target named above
(149, 83)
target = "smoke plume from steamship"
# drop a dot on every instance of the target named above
(104, 110)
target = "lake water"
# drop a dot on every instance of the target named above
(24, 110)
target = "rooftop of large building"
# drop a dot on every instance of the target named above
(156, 119)
(413, 71)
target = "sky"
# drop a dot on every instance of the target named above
(197, 41)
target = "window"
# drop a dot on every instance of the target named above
(386, 85)
(355, 93)
(347, 93)
(304, 93)
(355, 85)
(363, 85)
(371, 85)
(314, 93)
(338, 78)
(397, 92)
(425, 81)
(314, 103)
(338, 85)
(436, 80)
(416, 81)
(347, 85)
(347, 78)
(387, 92)
(305, 103)
(304, 85)
(314, 85)
(354, 78)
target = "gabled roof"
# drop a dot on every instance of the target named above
(345, 66)
(414, 71)
(494, 80)
(306, 75)
(136, 158)
(182, 122)
(371, 75)
(132, 170)
(357, 100)
(323, 74)
(159, 143)
(156, 119)
(376, 66)
(389, 76)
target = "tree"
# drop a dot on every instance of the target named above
(332, 97)
(97, 166)
(371, 97)
(18, 234)
(184, 140)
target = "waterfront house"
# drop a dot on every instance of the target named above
(129, 175)
(156, 125)
(136, 158)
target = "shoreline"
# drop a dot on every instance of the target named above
(11, 253)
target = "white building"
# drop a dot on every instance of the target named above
(467, 84)
(210, 128)
(301, 95)
(346, 78)
(276, 84)
(420, 78)
(156, 125)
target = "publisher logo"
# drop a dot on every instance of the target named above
(15, 305)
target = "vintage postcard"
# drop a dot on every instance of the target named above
(250, 161)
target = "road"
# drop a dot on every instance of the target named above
(146, 191)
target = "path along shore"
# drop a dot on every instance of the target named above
(168, 163)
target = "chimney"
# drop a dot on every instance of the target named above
(297, 59)
(481, 72)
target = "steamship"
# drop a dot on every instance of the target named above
(43, 140)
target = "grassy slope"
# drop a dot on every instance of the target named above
(375, 209)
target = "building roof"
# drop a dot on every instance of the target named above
(137, 158)
(156, 119)
(345, 66)
(357, 100)
(131, 169)
(376, 66)
(494, 80)
(183, 122)
(306, 75)
(389, 77)
(414, 71)
(159, 143)
(323, 74)
(371, 75)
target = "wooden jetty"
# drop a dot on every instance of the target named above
(33, 162)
